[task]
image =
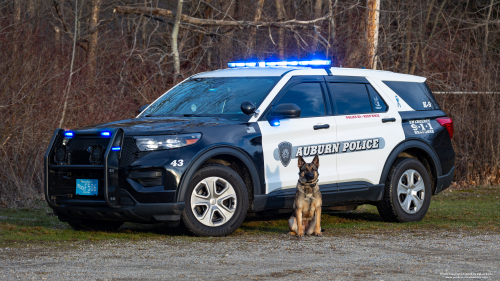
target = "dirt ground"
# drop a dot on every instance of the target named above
(409, 256)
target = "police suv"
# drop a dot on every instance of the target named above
(225, 143)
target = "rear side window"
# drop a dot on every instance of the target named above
(350, 98)
(378, 104)
(417, 95)
(308, 96)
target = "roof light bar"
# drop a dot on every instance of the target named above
(69, 134)
(280, 63)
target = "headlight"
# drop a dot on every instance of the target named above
(150, 143)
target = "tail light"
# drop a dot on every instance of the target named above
(446, 122)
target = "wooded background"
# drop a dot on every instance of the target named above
(73, 63)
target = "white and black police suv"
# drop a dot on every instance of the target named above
(225, 143)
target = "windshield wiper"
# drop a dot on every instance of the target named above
(196, 115)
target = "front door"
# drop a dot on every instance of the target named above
(313, 133)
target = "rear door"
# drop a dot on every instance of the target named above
(313, 133)
(368, 128)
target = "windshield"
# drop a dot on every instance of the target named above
(218, 97)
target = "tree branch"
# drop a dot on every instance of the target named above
(289, 24)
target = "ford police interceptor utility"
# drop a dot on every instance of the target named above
(224, 143)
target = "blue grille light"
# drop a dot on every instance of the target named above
(69, 134)
(116, 148)
(281, 63)
(105, 134)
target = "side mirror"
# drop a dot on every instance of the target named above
(286, 110)
(141, 109)
(248, 107)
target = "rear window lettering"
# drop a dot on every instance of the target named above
(378, 104)
(350, 98)
(417, 95)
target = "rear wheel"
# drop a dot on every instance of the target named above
(407, 193)
(96, 225)
(216, 202)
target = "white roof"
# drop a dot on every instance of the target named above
(279, 71)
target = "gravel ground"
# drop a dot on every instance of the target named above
(261, 257)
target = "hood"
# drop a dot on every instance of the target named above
(158, 125)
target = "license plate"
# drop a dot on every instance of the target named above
(86, 187)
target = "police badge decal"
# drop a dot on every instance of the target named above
(285, 151)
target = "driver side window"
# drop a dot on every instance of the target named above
(308, 96)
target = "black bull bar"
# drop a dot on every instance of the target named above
(109, 166)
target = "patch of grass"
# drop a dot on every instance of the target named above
(475, 210)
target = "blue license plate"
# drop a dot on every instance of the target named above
(86, 187)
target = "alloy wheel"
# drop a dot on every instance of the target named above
(213, 201)
(411, 191)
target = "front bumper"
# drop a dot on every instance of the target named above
(120, 197)
(130, 211)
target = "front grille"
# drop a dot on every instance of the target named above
(130, 152)
(78, 147)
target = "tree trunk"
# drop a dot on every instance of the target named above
(94, 38)
(68, 86)
(144, 27)
(280, 9)
(317, 13)
(175, 34)
(486, 31)
(253, 33)
(372, 26)
(32, 8)
(17, 11)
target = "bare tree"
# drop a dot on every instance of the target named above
(253, 32)
(94, 38)
(175, 34)
(71, 72)
(280, 10)
(317, 13)
(372, 27)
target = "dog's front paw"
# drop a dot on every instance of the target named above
(318, 234)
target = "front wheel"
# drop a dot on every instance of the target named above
(407, 193)
(216, 202)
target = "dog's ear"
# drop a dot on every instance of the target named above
(301, 161)
(316, 160)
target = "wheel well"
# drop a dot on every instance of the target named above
(425, 159)
(238, 166)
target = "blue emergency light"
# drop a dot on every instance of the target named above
(106, 134)
(69, 134)
(310, 63)
(116, 148)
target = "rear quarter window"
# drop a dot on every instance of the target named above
(417, 95)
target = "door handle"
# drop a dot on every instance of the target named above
(319, 127)
(385, 120)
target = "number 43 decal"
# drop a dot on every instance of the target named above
(176, 163)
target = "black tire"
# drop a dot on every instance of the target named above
(96, 225)
(390, 208)
(194, 225)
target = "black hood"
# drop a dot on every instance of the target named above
(158, 125)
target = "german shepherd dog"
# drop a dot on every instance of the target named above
(306, 218)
